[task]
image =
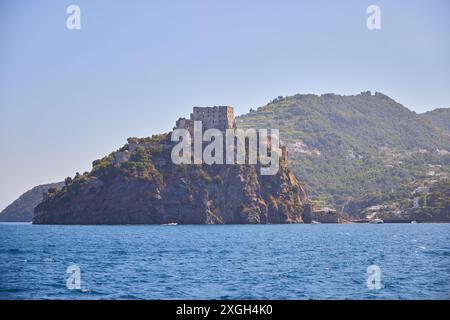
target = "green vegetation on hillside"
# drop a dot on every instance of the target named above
(349, 147)
(440, 118)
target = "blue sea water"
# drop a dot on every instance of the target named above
(225, 262)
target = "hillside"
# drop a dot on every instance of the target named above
(440, 118)
(21, 210)
(345, 147)
(425, 200)
(436, 202)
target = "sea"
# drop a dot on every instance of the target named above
(322, 261)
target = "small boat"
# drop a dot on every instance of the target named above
(171, 224)
(315, 222)
(376, 221)
(414, 221)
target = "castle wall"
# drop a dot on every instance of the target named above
(218, 117)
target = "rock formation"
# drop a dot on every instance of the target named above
(139, 184)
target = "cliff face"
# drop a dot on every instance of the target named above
(139, 184)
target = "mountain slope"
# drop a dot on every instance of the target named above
(344, 147)
(21, 210)
(440, 118)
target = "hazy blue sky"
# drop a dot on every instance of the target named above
(69, 97)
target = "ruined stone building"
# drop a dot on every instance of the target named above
(218, 117)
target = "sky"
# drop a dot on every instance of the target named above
(68, 97)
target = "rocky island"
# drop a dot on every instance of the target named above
(139, 184)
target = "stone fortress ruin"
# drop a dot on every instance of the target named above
(222, 118)
(216, 117)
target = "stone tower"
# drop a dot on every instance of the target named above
(217, 117)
